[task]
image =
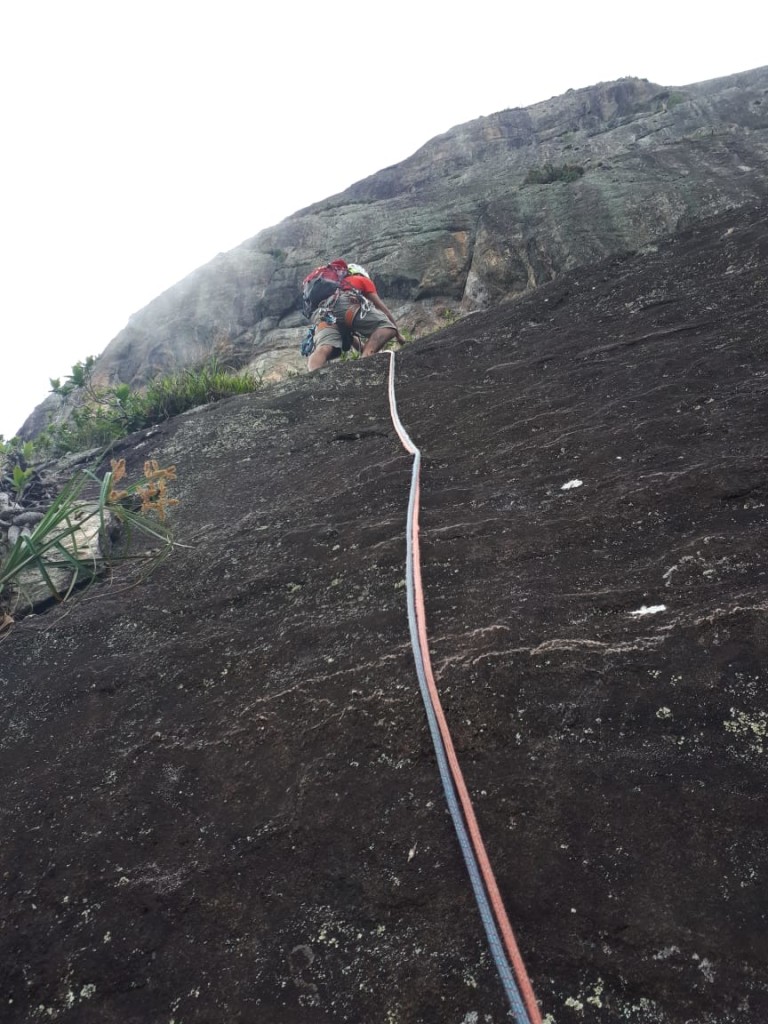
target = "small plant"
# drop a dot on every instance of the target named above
(151, 491)
(101, 415)
(80, 378)
(57, 542)
(16, 449)
(16, 457)
(21, 478)
(549, 173)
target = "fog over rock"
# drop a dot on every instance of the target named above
(219, 796)
(455, 227)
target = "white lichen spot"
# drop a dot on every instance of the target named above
(107, 936)
(549, 1019)
(651, 609)
(664, 713)
(471, 1018)
(753, 729)
(666, 952)
(87, 991)
(706, 969)
(574, 1004)
(642, 1005)
(570, 484)
(595, 999)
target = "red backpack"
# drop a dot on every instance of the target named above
(321, 284)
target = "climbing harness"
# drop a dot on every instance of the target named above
(501, 939)
(325, 316)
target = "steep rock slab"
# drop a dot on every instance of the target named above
(219, 796)
(456, 227)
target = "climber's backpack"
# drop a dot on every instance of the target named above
(321, 284)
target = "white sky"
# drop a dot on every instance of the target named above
(140, 139)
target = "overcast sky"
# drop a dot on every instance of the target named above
(140, 139)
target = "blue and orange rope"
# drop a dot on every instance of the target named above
(501, 939)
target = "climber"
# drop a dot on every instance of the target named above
(341, 302)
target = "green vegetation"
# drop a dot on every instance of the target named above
(66, 536)
(21, 478)
(58, 540)
(549, 173)
(100, 415)
(667, 99)
(675, 99)
(16, 457)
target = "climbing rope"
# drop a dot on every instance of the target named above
(501, 939)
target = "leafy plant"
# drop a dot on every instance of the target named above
(17, 449)
(21, 478)
(54, 545)
(16, 457)
(81, 377)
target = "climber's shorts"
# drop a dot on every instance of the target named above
(363, 324)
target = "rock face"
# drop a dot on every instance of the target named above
(219, 797)
(456, 228)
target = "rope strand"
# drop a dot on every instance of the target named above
(504, 948)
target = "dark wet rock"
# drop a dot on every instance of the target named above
(219, 797)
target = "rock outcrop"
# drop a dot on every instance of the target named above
(456, 228)
(219, 797)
